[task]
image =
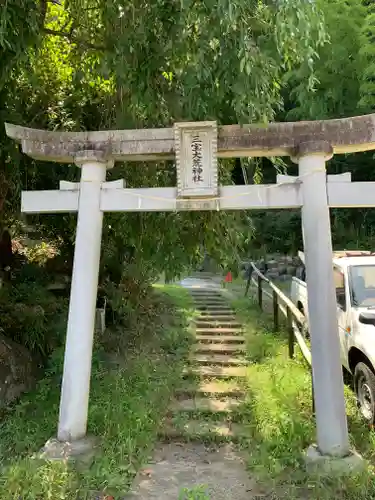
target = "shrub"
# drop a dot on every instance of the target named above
(32, 316)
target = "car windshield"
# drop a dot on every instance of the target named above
(362, 285)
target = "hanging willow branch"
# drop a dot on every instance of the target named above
(69, 35)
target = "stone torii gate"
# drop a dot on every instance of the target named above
(195, 148)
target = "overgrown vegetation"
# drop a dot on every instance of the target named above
(197, 493)
(33, 317)
(131, 388)
(89, 65)
(344, 86)
(278, 413)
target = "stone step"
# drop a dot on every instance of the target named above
(212, 302)
(216, 317)
(217, 311)
(215, 388)
(202, 306)
(219, 330)
(216, 371)
(208, 338)
(217, 359)
(227, 405)
(214, 312)
(218, 308)
(203, 348)
(217, 324)
(209, 298)
(201, 430)
(224, 311)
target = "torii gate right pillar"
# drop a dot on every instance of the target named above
(332, 431)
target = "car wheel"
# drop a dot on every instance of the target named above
(364, 385)
(305, 331)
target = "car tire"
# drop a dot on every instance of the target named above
(306, 333)
(364, 386)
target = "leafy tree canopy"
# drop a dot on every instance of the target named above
(99, 64)
(344, 85)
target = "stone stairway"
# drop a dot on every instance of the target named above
(206, 403)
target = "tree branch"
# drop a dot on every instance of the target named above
(72, 39)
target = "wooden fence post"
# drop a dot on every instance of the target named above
(275, 311)
(248, 281)
(290, 333)
(260, 294)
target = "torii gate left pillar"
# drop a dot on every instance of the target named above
(79, 340)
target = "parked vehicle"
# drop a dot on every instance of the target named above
(354, 275)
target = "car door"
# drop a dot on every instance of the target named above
(343, 317)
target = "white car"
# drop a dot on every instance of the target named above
(354, 274)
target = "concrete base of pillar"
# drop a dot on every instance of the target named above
(316, 463)
(82, 451)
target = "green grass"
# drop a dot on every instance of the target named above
(196, 493)
(278, 413)
(130, 392)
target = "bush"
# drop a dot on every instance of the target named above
(129, 298)
(32, 317)
(30, 273)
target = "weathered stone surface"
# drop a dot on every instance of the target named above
(173, 468)
(81, 452)
(272, 275)
(312, 147)
(218, 330)
(222, 388)
(217, 371)
(220, 338)
(187, 464)
(17, 371)
(273, 266)
(291, 270)
(343, 135)
(316, 463)
(218, 359)
(196, 429)
(206, 405)
(277, 139)
(204, 348)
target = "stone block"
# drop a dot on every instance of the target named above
(285, 277)
(327, 465)
(291, 270)
(81, 452)
(272, 275)
(282, 269)
(100, 320)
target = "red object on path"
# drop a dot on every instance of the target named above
(228, 278)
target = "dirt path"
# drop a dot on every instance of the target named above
(197, 450)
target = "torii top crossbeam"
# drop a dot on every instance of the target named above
(293, 139)
(347, 135)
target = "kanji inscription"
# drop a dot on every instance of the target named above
(196, 160)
